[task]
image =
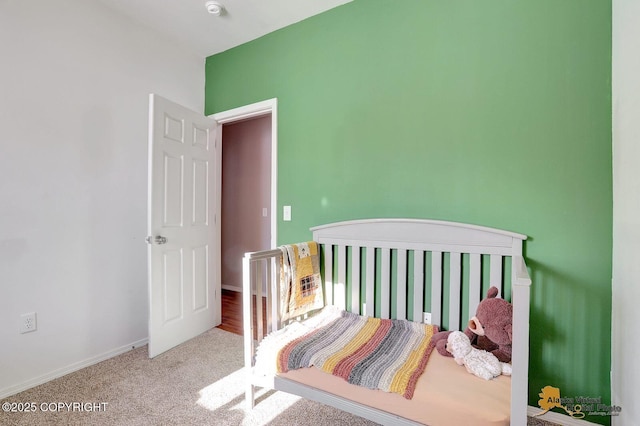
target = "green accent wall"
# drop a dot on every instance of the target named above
(496, 113)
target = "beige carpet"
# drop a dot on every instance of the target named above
(197, 383)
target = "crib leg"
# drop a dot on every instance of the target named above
(250, 396)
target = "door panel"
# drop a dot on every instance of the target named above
(172, 285)
(184, 276)
(200, 193)
(172, 180)
(200, 278)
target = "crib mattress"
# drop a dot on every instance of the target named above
(445, 394)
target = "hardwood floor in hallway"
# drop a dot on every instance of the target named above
(232, 312)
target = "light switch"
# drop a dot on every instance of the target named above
(264, 212)
(286, 213)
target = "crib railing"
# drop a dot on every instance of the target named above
(260, 282)
(391, 268)
(385, 282)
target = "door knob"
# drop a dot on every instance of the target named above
(158, 239)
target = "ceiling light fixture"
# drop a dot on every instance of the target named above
(214, 8)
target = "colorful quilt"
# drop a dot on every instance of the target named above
(300, 281)
(384, 354)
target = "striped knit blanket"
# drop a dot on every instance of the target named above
(384, 354)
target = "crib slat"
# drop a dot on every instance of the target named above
(269, 295)
(401, 299)
(385, 293)
(454, 291)
(275, 291)
(258, 275)
(495, 270)
(355, 280)
(371, 270)
(247, 327)
(340, 289)
(328, 274)
(474, 283)
(436, 287)
(418, 284)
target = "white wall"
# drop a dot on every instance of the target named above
(626, 210)
(74, 85)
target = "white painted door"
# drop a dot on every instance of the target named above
(183, 233)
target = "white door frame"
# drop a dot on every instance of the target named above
(269, 106)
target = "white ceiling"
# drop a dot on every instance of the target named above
(189, 23)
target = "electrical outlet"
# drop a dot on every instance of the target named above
(426, 318)
(28, 322)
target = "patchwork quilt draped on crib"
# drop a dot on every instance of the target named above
(300, 281)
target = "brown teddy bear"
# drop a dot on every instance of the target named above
(489, 330)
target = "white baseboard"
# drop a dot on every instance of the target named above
(231, 288)
(561, 419)
(237, 289)
(12, 390)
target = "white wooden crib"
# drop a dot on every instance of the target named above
(398, 268)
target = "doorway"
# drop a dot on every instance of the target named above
(248, 200)
(246, 194)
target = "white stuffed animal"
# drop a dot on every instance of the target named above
(478, 362)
